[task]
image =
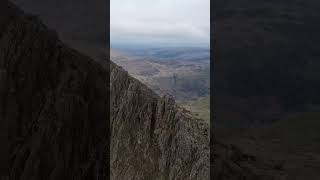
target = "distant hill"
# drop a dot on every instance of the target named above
(181, 72)
(195, 54)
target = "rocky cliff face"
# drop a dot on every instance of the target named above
(54, 101)
(152, 138)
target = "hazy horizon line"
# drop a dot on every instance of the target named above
(134, 45)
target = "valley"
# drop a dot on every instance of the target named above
(184, 73)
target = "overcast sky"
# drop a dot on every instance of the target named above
(166, 22)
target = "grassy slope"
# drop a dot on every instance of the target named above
(199, 107)
(188, 87)
(294, 141)
(269, 48)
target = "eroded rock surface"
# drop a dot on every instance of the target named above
(152, 138)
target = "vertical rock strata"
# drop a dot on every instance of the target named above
(152, 138)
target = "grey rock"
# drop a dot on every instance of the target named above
(151, 137)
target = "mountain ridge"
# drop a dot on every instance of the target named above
(55, 102)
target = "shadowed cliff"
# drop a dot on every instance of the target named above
(81, 24)
(53, 102)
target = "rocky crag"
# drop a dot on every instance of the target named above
(54, 101)
(158, 139)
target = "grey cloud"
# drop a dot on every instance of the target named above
(174, 21)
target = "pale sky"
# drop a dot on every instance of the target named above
(172, 22)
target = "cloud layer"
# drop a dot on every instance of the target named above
(172, 22)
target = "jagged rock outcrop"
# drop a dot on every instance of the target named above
(152, 138)
(54, 101)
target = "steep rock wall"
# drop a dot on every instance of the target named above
(152, 138)
(54, 103)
